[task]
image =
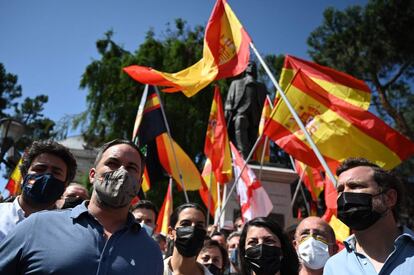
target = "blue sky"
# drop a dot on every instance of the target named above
(49, 43)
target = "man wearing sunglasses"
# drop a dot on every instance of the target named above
(315, 243)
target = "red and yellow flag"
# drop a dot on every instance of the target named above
(208, 191)
(225, 54)
(190, 174)
(216, 146)
(267, 109)
(14, 183)
(146, 183)
(338, 128)
(338, 84)
(312, 179)
(163, 220)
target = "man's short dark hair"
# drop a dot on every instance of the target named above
(145, 204)
(114, 142)
(53, 148)
(385, 179)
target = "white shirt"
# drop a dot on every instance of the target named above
(11, 213)
(168, 271)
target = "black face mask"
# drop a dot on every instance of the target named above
(71, 202)
(213, 269)
(264, 259)
(42, 188)
(355, 210)
(189, 240)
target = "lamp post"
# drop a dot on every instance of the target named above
(11, 131)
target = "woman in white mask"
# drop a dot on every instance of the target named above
(314, 243)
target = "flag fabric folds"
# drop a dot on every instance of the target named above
(312, 179)
(208, 191)
(338, 84)
(163, 220)
(216, 147)
(152, 122)
(189, 172)
(339, 129)
(254, 200)
(152, 128)
(14, 183)
(225, 54)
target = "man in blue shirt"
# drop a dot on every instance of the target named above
(47, 168)
(369, 199)
(99, 236)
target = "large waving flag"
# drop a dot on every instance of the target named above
(163, 220)
(14, 183)
(338, 84)
(254, 200)
(225, 54)
(216, 147)
(338, 128)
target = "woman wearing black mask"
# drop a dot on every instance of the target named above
(213, 256)
(187, 230)
(266, 250)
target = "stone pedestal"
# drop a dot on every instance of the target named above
(277, 183)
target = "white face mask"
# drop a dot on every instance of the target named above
(313, 253)
(147, 228)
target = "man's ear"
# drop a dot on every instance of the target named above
(92, 173)
(391, 198)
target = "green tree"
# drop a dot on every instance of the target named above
(29, 111)
(373, 43)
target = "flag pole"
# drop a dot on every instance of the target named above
(307, 205)
(140, 111)
(295, 116)
(172, 146)
(297, 189)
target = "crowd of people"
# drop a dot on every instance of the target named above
(56, 227)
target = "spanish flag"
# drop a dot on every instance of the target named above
(216, 146)
(163, 220)
(225, 54)
(14, 183)
(208, 191)
(338, 84)
(338, 128)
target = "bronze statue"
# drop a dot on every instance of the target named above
(243, 109)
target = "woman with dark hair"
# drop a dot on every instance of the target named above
(213, 256)
(266, 249)
(187, 231)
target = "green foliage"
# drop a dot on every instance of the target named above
(373, 43)
(29, 111)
